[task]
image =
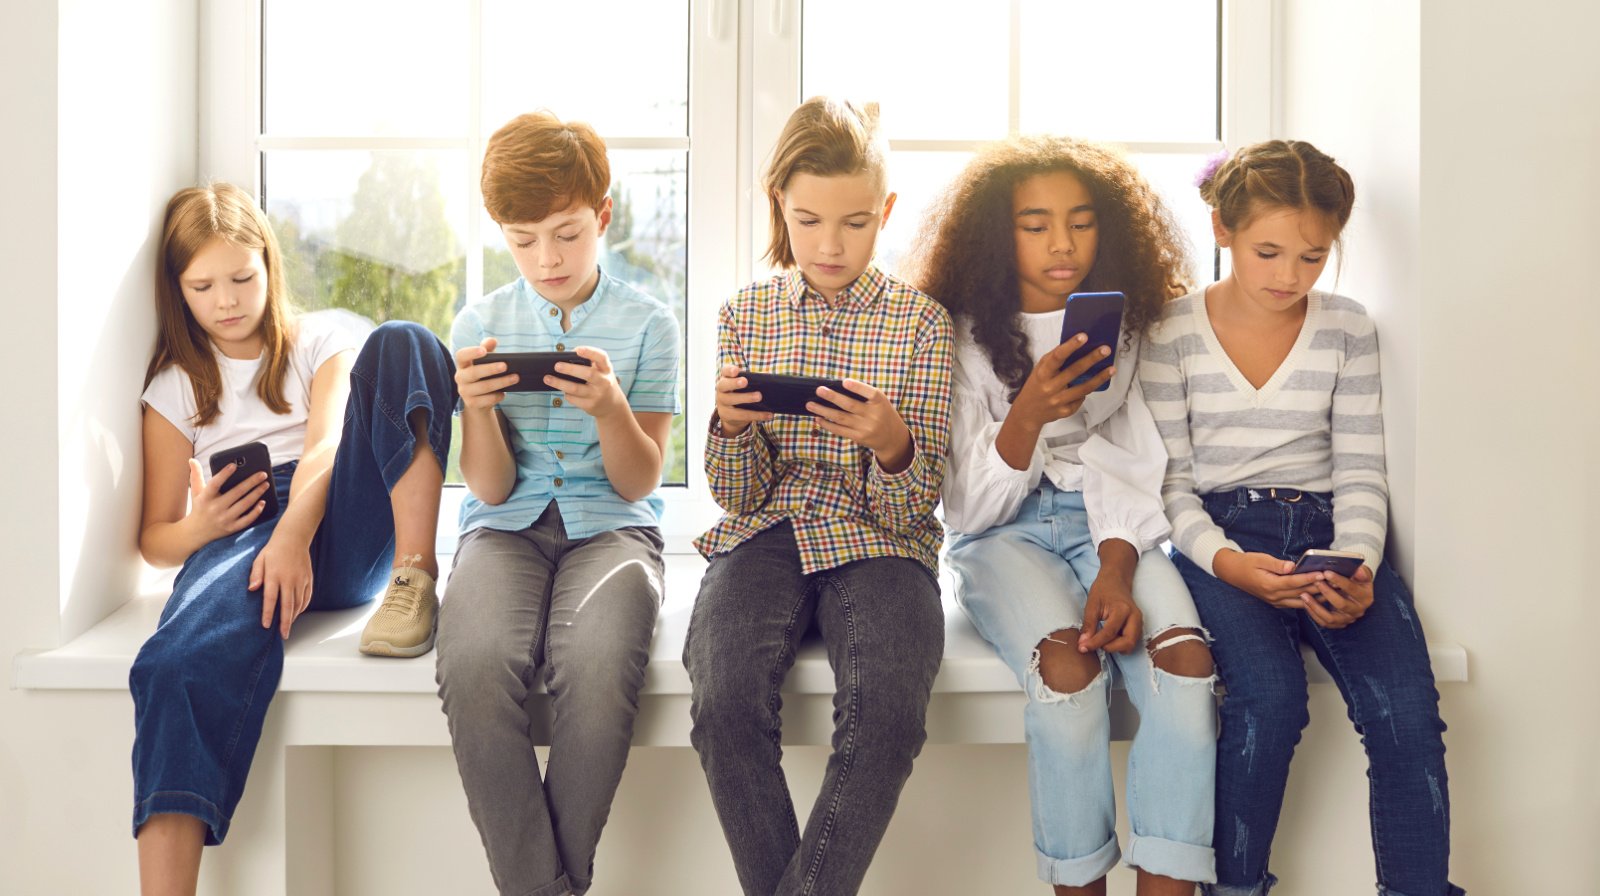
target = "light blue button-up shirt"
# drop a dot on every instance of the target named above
(556, 446)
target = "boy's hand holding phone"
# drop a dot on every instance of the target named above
(733, 418)
(596, 391)
(481, 386)
(215, 512)
(869, 419)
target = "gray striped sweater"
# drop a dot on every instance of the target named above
(1316, 425)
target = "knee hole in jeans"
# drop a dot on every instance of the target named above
(1182, 652)
(1061, 667)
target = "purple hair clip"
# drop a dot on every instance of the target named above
(1209, 169)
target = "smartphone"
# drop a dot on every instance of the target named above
(1345, 563)
(532, 367)
(1099, 314)
(782, 394)
(250, 458)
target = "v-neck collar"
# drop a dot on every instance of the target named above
(1286, 367)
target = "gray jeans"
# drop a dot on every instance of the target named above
(883, 627)
(582, 613)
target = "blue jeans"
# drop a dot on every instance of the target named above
(883, 626)
(1023, 580)
(202, 682)
(1380, 663)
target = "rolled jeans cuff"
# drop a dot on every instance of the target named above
(1172, 858)
(1080, 871)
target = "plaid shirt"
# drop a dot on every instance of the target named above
(843, 506)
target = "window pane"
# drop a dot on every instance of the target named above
(621, 66)
(365, 67)
(940, 73)
(917, 178)
(1173, 177)
(379, 233)
(645, 246)
(1132, 72)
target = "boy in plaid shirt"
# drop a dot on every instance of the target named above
(829, 517)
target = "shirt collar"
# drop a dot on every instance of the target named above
(542, 306)
(858, 295)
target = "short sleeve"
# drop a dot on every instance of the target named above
(655, 384)
(324, 334)
(170, 395)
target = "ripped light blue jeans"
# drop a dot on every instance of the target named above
(1023, 580)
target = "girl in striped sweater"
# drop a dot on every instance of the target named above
(1266, 394)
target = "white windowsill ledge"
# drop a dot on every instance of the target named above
(335, 695)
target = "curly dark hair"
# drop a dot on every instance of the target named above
(965, 253)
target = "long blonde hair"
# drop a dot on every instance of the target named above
(825, 137)
(194, 217)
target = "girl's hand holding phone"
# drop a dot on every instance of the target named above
(1266, 577)
(733, 418)
(870, 420)
(282, 573)
(216, 513)
(481, 386)
(1046, 395)
(1336, 601)
(599, 394)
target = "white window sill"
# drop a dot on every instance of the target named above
(336, 695)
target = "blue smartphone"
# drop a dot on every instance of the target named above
(1099, 314)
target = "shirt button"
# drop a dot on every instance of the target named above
(560, 347)
(810, 505)
(558, 482)
(555, 312)
(827, 331)
(555, 402)
(559, 455)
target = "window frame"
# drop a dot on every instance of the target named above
(744, 55)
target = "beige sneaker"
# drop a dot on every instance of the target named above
(404, 624)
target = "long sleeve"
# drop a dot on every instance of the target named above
(740, 470)
(1166, 395)
(1124, 467)
(981, 490)
(1360, 483)
(903, 501)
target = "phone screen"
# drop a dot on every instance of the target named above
(1099, 314)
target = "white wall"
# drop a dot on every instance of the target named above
(1476, 223)
(97, 101)
(1508, 430)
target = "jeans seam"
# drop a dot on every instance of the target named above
(847, 753)
(775, 677)
(238, 727)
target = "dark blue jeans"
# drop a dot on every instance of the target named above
(1380, 663)
(202, 682)
(883, 626)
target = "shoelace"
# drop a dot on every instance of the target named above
(402, 598)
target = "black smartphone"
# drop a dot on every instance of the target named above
(249, 459)
(1345, 563)
(532, 367)
(1099, 314)
(782, 394)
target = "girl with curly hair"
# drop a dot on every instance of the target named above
(1268, 394)
(1053, 499)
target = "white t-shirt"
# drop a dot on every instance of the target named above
(242, 416)
(1110, 450)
